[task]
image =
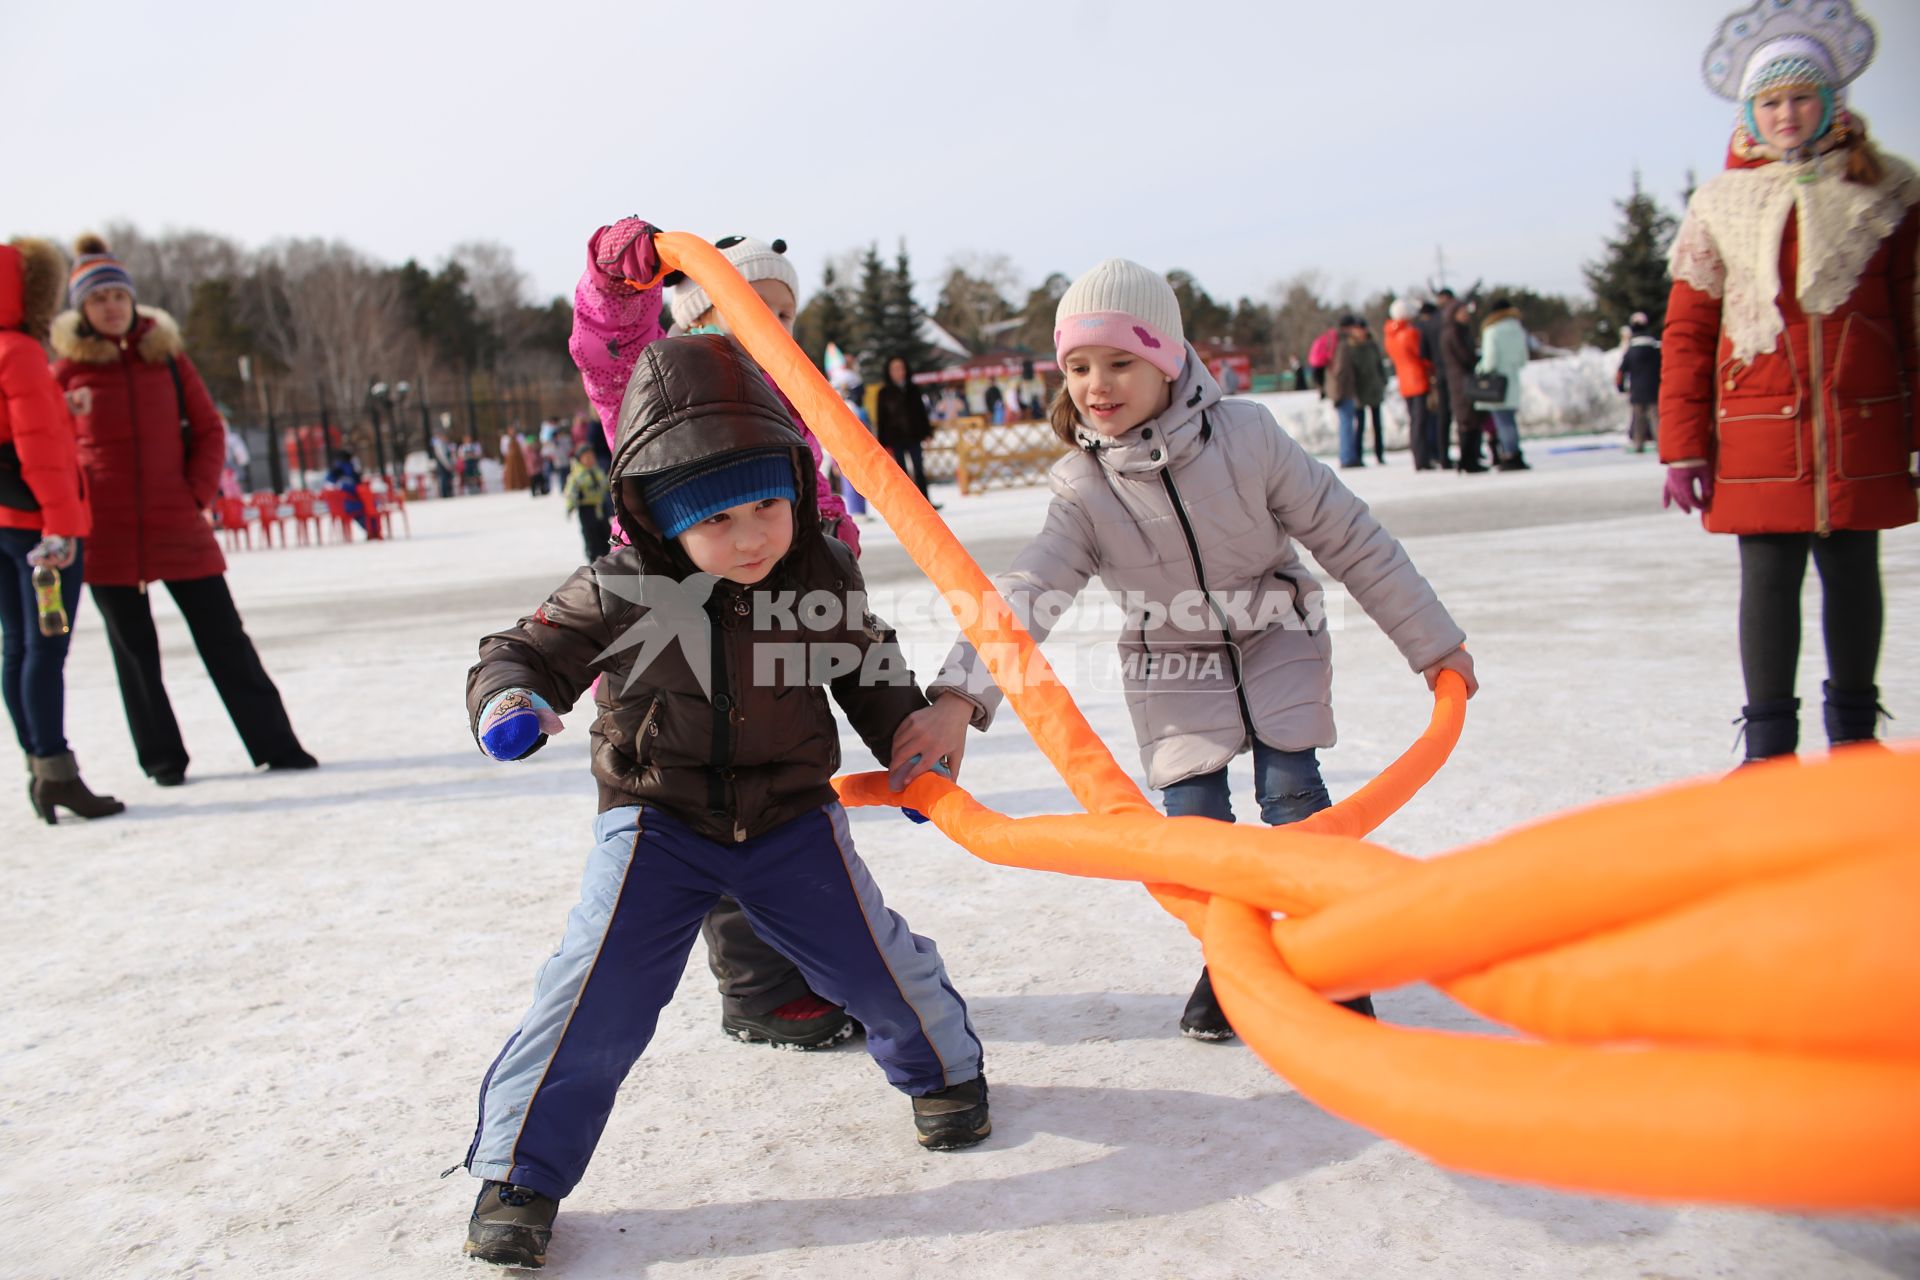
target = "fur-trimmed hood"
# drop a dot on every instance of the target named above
(1493, 318)
(159, 338)
(31, 275)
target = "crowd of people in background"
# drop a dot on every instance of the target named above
(1455, 368)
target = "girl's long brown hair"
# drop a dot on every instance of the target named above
(1063, 417)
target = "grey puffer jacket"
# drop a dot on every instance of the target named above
(1190, 518)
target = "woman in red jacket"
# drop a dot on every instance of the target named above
(152, 445)
(1415, 372)
(1786, 406)
(43, 517)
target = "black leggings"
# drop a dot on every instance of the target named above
(1772, 567)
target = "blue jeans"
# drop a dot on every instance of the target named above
(1286, 783)
(1506, 428)
(32, 665)
(1349, 432)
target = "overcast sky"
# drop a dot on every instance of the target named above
(1243, 142)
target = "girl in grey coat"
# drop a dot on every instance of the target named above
(1187, 507)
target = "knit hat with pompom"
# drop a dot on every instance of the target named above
(94, 268)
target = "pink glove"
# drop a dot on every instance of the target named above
(624, 251)
(1690, 488)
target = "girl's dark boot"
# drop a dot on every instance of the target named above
(56, 784)
(1771, 728)
(1853, 715)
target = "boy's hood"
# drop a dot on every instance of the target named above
(692, 398)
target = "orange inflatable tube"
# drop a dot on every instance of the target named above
(1715, 983)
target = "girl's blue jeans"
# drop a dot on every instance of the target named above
(1287, 785)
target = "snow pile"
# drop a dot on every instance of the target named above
(1562, 395)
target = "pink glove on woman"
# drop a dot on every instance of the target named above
(624, 251)
(1688, 487)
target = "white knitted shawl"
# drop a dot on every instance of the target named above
(1728, 246)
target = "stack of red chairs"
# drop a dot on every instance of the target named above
(390, 501)
(306, 521)
(230, 514)
(271, 515)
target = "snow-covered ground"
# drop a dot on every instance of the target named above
(245, 1022)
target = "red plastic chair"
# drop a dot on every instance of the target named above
(271, 514)
(306, 521)
(338, 519)
(231, 514)
(370, 507)
(391, 503)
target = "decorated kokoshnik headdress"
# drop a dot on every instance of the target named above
(1774, 45)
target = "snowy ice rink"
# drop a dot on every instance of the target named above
(244, 1023)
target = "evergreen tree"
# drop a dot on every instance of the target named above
(827, 318)
(1203, 319)
(1036, 316)
(1632, 274)
(904, 316)
(870, 331)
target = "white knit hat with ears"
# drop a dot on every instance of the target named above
(753, 259)
(1122, 304)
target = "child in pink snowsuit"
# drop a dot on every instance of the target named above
(764, 998)
(613, 323)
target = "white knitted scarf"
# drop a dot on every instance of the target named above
(1729, 243)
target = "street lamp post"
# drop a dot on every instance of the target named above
(377, 395)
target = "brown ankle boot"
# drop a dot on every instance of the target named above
(56, 784)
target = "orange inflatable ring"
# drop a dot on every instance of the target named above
(1715, 986)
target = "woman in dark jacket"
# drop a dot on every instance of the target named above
(902, 422)
(1459, 355)
(43, 518)
(152, 444)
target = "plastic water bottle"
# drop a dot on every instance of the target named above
(46, 599)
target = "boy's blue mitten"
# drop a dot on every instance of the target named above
(939, 767)
(515, 723)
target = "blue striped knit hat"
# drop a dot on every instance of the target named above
(683, 497)
(94, 268)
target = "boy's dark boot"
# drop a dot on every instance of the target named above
(954, 1117)
(1853, 715)
(1202, 1019)
(511, 1226)
(56, 785)
(806, 1023)
(1771, 728)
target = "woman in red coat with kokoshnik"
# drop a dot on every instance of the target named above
(152, 445)
(1786, 410)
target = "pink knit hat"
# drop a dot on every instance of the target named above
(1124, 305)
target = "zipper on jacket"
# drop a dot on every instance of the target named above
(139, 483)
(1820, 521)
(1200, 576)
(720, 798)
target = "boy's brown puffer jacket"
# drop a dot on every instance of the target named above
(757, 745)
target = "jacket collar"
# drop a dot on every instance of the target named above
(154, 338)
(1162, 441)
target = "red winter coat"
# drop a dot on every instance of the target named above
(40, 481)
(1403, 348)
(148, 480)
(1816, 433)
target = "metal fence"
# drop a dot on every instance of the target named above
(291, 445)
